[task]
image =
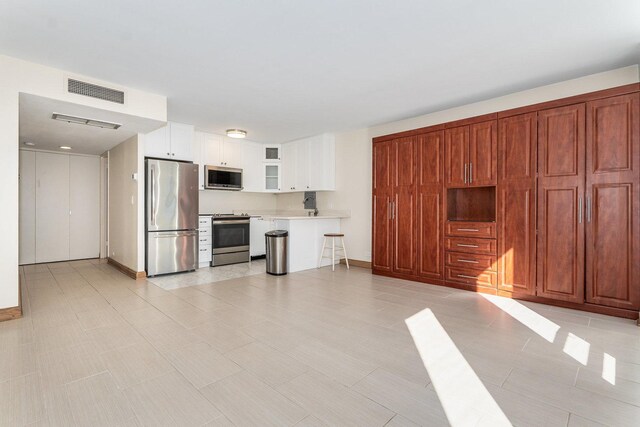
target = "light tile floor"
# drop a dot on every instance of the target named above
(309, 349)
(207, 275)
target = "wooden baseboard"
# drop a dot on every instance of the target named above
(11, 313)
(126, 270)
(357, 263)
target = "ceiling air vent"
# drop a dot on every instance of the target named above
(95, 91)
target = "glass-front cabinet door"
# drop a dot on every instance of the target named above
(271, 153)
(272, 177)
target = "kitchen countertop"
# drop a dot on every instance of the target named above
(301, 217)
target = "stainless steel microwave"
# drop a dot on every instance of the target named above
(221, 178)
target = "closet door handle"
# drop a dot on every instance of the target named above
(465, 173)
(588, 208)
(470, 172)
(579, 209)
(393, 210)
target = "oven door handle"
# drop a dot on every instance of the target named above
(231, 221)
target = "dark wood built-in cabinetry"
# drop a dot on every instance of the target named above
(539, 203)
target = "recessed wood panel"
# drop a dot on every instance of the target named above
(482, 154)
(612, 247)
(430, 238)
(612, 134)
(430, 157)
(405, 162)
(561, 132)
(404, 224)
(382, 164)
(456, 146)
(381, 251)
(516, 147)
(516, 255)
(561, 244)
(471, 204)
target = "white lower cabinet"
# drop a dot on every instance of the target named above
(204, 241)
(258, 226)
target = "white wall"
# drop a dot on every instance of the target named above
(27, 77)
(125, 235)
(353, 150)
(217, 201)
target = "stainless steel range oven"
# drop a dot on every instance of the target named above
(230, 239)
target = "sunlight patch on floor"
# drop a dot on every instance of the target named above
(577, 348)
(523, 314)
(609, 369)
(463, 396)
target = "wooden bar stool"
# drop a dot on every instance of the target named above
(341, 248)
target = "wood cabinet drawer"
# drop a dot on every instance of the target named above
(485, 230)
(471, 245)
(471, 277)
(462, 260)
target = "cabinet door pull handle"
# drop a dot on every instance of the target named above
(588, 208)
(393, 210)
(470, 172)
(469, 261)
(579, 209)
(467, 277)
(466, 246)
(465, 173)
(468, 229)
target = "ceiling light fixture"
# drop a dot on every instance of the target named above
(29, 144)
(84, 121)
(65, 147)
(236, 133)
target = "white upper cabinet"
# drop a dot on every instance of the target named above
(271, 153)
(220, 150)
(252, 167)
(232, 152)
(174, 141)
(309, 164)
(212, 150)
(181, 139)
(272, 177)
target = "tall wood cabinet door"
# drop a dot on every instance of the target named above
(403, 208)
(483, 154)
(52, 207)
(430, 191)
(516, 203)
(455, 156)
(613, 202)
(382, 233)
(382, 257)
(561, 163)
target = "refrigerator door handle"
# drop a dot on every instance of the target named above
(153, 208)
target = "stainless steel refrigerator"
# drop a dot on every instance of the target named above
(171, 216)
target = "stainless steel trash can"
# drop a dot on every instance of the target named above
(276, 244)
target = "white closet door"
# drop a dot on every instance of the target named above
(84, 207)
(52, 207)
(27, 231)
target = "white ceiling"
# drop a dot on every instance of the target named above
(37, 126)
(287, 69)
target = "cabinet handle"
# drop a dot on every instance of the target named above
(168, 154)
(465, 173)
(467, 277)
(469, 261)
(468, 229)
(466, 246)
(588, 208)
(579, 209)
(470, 172)
(393, 210)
